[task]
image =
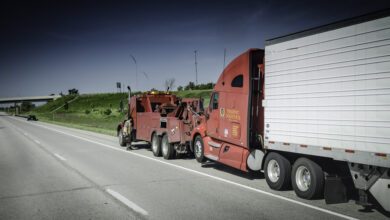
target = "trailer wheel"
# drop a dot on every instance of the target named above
(307, 179)
(156, 145)
(277, 171)
(167, 148)
(121, 138)
(199, 149)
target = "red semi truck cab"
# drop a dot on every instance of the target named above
(233, 125)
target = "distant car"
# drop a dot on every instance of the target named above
(32, 118)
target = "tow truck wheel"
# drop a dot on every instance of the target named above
(307, 179)
(199, 149)
(167, 148)
(277, 171)
(156, 145)
(121, 138)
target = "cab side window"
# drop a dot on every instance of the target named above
(214, 101)
(238, 81)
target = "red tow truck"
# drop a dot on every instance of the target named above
(163, 120)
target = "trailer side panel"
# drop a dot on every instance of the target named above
(330, 92)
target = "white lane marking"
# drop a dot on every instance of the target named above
(25, 134)
(127, 202)
(59, 157)
(207, 175)
(36, 141)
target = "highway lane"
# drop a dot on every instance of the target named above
(35, 185)
(135, 183)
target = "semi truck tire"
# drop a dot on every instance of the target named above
(156, 145)
(121, 138)
(307, 179)
(277, 171)
(199, 149)
(167, 148)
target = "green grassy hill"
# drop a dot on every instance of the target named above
(88, 111)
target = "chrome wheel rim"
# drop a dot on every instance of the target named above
(164, 147)
(273, 171)
(198, 149)
(154, 144)
(303, 178)
(120, 137)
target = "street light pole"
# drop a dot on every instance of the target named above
(136, 72)
(196, 69)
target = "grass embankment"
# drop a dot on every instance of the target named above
(88, 111)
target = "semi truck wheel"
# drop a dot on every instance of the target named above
(307, 179)
(167, 148)
(277, 171)
(199, 149)
(156, 145)
(121, 138)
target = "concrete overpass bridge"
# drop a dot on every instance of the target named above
(28, 99)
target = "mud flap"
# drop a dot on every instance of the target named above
(335, 190)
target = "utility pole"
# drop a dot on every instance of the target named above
(223, 68)
(136, 72)
(196, 69)
(224, 58)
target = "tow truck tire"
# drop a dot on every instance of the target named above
(199, 149)
(277, 171)
(167, 148)
(307, 179)
(156, 145)
(121, 138)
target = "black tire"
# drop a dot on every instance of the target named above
(277, 171)
(167, 148)
(121, 138)
(315, 188)
(199, 149)
(156, 145)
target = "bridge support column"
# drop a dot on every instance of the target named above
(16, 109)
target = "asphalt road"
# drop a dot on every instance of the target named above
(53, 172)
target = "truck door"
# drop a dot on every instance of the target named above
(213, 121)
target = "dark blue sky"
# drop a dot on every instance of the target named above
(51, 46)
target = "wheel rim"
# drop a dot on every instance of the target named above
(198, 149)
(273, 171)
(164, 146)
(120, 137)
(154, 144)
(303, 178)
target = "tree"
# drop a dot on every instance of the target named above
(190, 86)
(169, 84)
(180, 88)
(27, 106)
(73, 91)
